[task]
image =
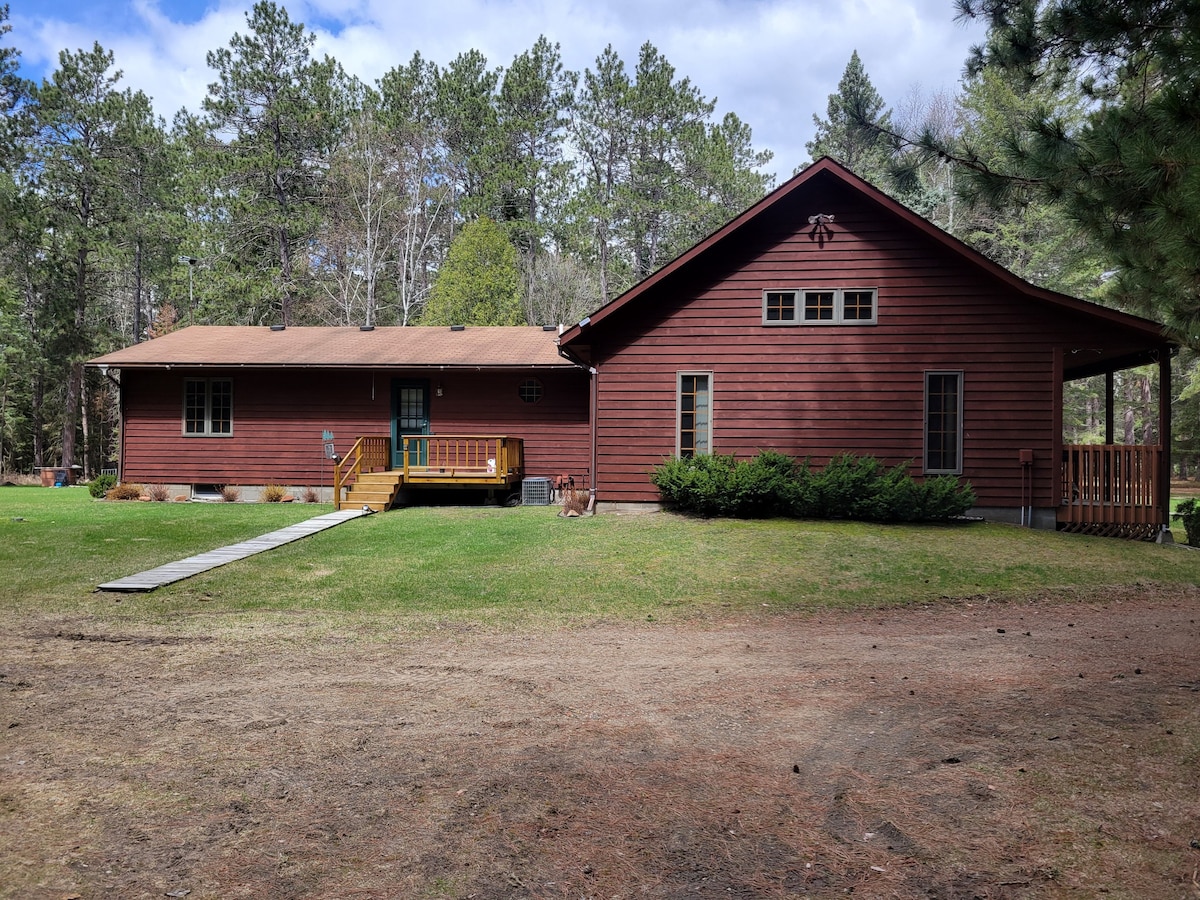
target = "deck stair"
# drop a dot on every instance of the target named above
(374, 490)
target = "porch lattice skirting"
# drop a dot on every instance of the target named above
(194, 565)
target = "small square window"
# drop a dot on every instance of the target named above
(858, 306)
(818, 306)
(779, 307)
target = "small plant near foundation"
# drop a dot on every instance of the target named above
(101, 485)
(157, 492)
(273, 493)
(310, 495)
(231, 493)
(574, 502)
(124, 492)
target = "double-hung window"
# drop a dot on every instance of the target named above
(694, 417)
(943, 423)
(208, 406)
(820, 306)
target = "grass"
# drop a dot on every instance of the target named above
(513, 566)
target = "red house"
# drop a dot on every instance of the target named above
(208, 406)
(828, 318)
(825, 319)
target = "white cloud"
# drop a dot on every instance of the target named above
(773, 62)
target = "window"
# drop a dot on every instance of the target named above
(943, 423)
(834, 307)
(208, 406)
(695, 414)
(779, 307)
(530, 390)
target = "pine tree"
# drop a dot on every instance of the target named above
(271, 119)
(854, 130)
(1130, 173)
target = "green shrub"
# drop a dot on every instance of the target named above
(101, 485)
(849, 487)
(716, 485)
(1188, 512)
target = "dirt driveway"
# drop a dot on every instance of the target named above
(973, 749)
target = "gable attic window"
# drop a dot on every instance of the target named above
(839, 306)
(208, 406)
(779, 307)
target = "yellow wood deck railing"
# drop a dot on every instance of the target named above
(1113, 485)
(462, 459)
(371, 452)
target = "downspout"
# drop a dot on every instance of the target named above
(593, 376)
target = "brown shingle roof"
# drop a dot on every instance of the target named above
(220, 345)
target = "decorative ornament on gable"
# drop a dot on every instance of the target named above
(820, 223)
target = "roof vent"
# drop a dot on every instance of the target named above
(366, 327)
(278, 327)
(458, 327)
(549, 328)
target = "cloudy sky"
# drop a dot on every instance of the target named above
(773, 62)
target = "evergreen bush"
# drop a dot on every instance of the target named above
(770, 484)
(101, 485)
(1188, 512)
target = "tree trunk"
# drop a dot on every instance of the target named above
(36, 421)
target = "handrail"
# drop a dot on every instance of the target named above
(370, 452)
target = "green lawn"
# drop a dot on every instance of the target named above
(509, 566)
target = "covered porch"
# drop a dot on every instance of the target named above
(369, 476)
(1118, 490)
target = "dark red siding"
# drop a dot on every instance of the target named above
(279, 416)
(818, 391)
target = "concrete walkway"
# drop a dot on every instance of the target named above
(194, 565)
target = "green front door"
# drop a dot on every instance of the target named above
(410, 415)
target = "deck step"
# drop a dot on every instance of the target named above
(373, 490)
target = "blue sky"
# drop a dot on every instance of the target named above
(773, 62)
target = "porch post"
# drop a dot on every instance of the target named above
(1109, 405)
(1164, 432)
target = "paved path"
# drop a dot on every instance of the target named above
(194, 565)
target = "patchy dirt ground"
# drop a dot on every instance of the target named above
(1044, 749)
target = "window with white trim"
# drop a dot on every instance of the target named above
(838, 306)
(780, 307)
(943, 423)
(694, 414)
(208, 406)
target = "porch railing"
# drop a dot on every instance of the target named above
(489, 458)
(1113, 485)
(368, 453)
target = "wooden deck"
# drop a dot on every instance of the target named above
(368, 477)
(202, 562)
(1115, 490)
